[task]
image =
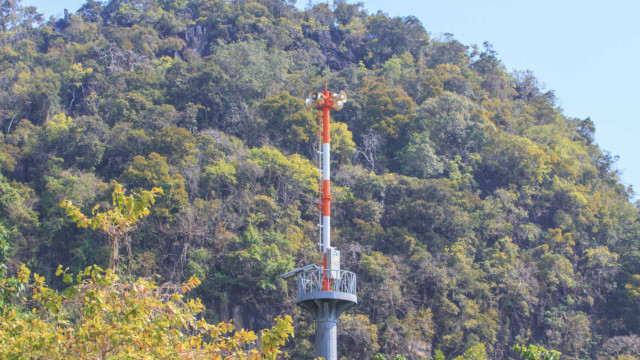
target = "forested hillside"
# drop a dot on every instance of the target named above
(471, 208)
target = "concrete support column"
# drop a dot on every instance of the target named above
(327, 338)
(327, 311)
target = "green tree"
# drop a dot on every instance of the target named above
(177, 144)
(535, 352)
(14, 15)
(453, 123)
(386, 110)
(358, 336)
(151, 171)
(418, 157)
(476, 352)
(288, 119)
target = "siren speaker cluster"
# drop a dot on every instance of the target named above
(340, 99)
(316, 97)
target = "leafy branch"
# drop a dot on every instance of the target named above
(118, 222)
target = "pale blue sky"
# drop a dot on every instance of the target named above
(586, 51)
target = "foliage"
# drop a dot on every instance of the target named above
(100, 316)
(477, 352)
(382, 357)
(534, 352)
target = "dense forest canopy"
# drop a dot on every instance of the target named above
(475, 213)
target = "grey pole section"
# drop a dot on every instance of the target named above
(327, 333)
(327, 314)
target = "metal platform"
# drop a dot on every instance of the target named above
(339, 285)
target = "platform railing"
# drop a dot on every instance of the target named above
(312, 281)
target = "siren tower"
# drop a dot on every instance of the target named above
(326, 291)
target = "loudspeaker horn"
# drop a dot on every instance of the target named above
(309, 103)
(341, 97)
(315, 96)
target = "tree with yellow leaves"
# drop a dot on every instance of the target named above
(102, 317)
(118, 222)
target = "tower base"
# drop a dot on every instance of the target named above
(327, 311)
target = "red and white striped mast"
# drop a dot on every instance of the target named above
(326, 101)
